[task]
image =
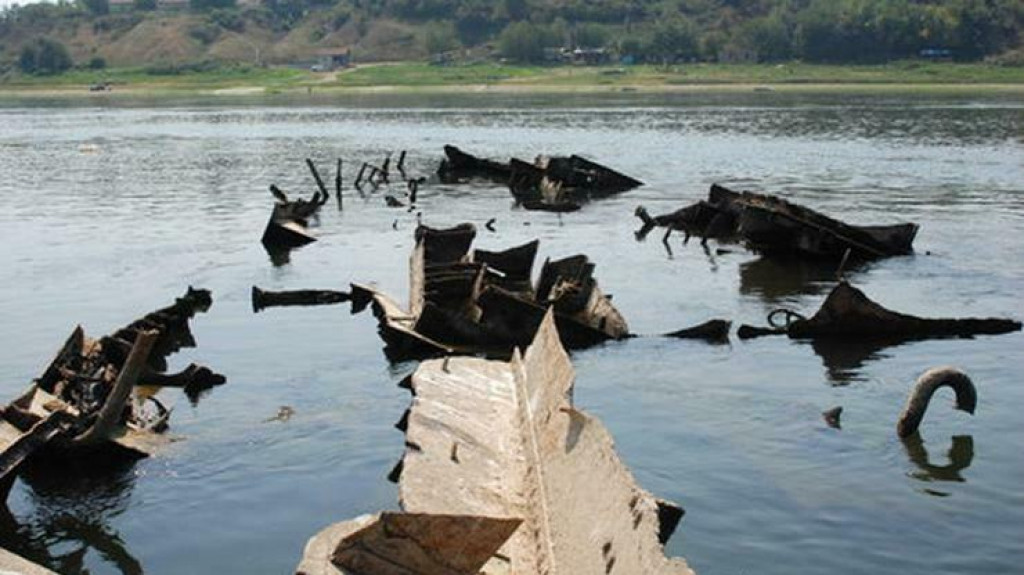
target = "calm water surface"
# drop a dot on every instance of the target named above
(111, 211)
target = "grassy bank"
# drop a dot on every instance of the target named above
(411, 76)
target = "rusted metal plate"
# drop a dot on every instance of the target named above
(493, 439)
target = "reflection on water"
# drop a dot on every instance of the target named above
(279, 256)
(779, 279)
(960, 455)
(73, 499)
(844, 359)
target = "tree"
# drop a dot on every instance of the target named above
(97, 7)
(210, 4)
(523, 42)
(144, 5)
(441, 37)
(27, 59)
(516, 10)
(769, 36)
(674, 40)
(44, 56)
(591, 35)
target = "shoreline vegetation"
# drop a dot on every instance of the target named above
(500, 78)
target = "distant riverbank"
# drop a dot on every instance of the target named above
(412, 77)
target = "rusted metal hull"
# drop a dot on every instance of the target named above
(84, 397)
(772, 225)
(284, 230)
(459, 305)
(460, 166)
(848, 313)
(502, 443)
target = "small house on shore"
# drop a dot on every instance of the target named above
(330, 59)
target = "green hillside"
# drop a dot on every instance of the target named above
(170, 37)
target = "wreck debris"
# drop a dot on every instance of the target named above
(925, 387)
(458, 166)
(848, 313)
(565, 181)
(553, 184)
(86, 396)
(832, 416)
(715, 330)
(540, 487)
(772, 225)
(284, 413)
(714, 218)
(262, 299)
(287, 226)
(322, 198)
(462, 303)
(337, 186)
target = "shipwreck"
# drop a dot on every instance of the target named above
(848, 314)
(772, 225)
(502, 474)
(549, 183)
(89, 395)
(462, 302)
(288, 226)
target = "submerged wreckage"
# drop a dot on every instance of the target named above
(502, 474)
(849, 314)
(463, 303)
(770, 224)
(557, 183)
(87, 396)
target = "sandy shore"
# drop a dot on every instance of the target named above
(166, 90)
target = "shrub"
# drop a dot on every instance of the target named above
(441, 37)
(228, 19)
(205, 32)
(97, 63)
(44, 56)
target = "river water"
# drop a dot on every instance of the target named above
(112, 208)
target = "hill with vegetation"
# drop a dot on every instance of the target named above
(171, 36)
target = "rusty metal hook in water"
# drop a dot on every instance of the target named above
(925, 387)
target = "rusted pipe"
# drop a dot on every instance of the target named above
(921, 395)
(337, 186)
(262, 299)
(322, 198)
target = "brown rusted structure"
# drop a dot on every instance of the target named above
(480, 302)
(926, 386)
(288, 224)
(847, 313)
(502, 474)
(459, 166)
(769, 224)
(552, 184)
(87, 396)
